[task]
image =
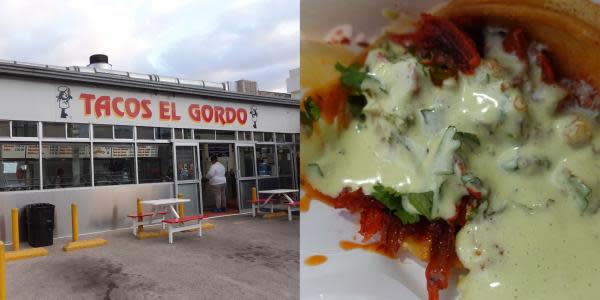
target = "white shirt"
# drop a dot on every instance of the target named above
(216, 174)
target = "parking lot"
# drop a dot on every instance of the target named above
(241, 258)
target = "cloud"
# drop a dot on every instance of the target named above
(210, 40)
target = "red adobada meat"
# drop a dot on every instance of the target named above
(516, 42)
(439, 42)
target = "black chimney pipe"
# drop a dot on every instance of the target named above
(99, 58)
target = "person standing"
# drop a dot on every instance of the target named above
(217, 184)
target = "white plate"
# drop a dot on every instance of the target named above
(355, 274)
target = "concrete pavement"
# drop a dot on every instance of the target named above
(241, 258)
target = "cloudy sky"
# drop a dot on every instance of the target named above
(213, 40)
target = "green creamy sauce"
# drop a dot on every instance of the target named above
(538, 236)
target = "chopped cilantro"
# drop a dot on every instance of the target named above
(468, 141)
(392, 199)
(423, 202)
(309, 114)
(356, 105)
(467, 137)
(352, 77)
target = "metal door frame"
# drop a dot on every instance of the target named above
(224, 142)
(239, 177)
(197, 166)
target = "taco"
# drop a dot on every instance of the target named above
(470, 138)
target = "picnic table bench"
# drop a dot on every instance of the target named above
(283, 193)
(177, 225)
(145, 218)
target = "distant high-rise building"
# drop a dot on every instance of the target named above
(293, 83)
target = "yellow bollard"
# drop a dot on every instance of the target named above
(254, 198)
(74, 222)
(140, 211)
(2, 273)
(15, 229)
(17, 254)
(76, 244)
(180, 208)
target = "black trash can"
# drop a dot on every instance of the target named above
(40, 224)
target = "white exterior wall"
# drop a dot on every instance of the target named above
(37, 101)
(105, 207)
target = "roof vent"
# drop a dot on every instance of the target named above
(99, 61)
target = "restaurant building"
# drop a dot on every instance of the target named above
(101, 138)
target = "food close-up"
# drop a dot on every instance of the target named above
(464, 137)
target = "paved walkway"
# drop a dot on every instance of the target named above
(241, 258)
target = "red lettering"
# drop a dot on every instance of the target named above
(102, 104)
(174, 115)
(194, 112)
(229, 115)
(207, 113)
(87, 103)
(132, 107)
(147, 113)
(115, 106)
(242, 116)
(163, 110)
(219, 112)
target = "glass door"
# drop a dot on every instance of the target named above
(285, 165)
(246, 175)
(187, 178)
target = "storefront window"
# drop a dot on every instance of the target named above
(268, 184)
(225, 135)
(19, 167)
(78, 131)
(284, 138)
(103, 132)
(268, 136)
(286, 182)
(113, 164)
(246, 161)
(123, 132)
(155, 163)
(66, 165)
(178, 133)
(279, 137)
(201, 134)
(145, 133)
(244, 135)
(24, 129)
(187, 133)
(53, 130)
(186, 163)
(4, 128)
(284, 160)
(259, 137)
(265, 160)
(163, 133)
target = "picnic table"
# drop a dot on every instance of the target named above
(177, 222)
(158, 213)
(160, 204)
(289, 202)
